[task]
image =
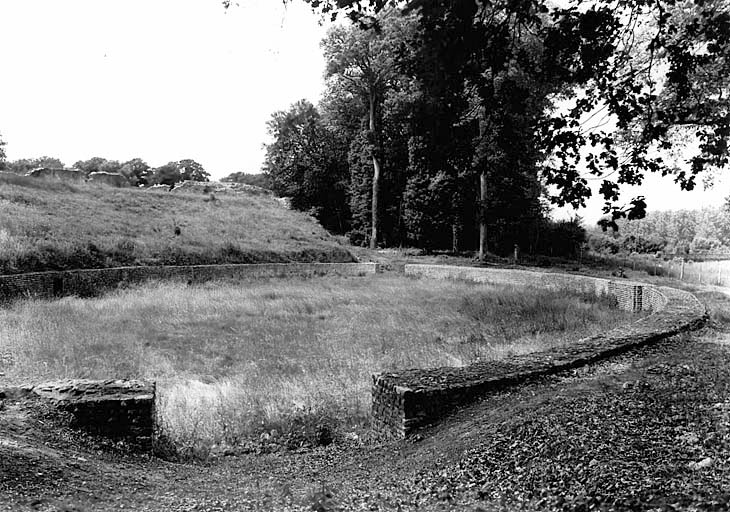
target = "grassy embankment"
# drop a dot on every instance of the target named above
(236, 359)
(50, 225)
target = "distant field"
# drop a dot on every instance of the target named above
(712, 272)
(234, 359)
(47, 225)
(700, 272)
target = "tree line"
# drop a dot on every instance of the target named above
(456, 124)
(136, 170)
(681, 232)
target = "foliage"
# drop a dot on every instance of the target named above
(360, 189)
(23, 165)
(167, 174)
(644, 67)
(306, 161)
(364, 65)
(177, 171)
(192, 170)
(98, 164)
(257, 180)
(136, 171)
(562, 238)
(681, 232)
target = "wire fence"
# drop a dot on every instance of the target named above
(711, 272)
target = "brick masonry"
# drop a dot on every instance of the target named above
(116, 409)
(405, 400)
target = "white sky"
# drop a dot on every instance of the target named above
(661, 193)
(171, 79)
(157, 79)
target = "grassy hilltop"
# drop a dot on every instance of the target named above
(51, 225)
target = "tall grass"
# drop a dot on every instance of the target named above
(236, 359)
(47, 225)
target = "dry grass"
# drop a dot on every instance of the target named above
(234, 359)
(47, 225)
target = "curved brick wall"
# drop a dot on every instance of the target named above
(90, 282)
(408, 399)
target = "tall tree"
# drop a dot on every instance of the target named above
(167, 174)
(307, 161)
(364, 63)
(192, 170)
(137, 171)
(643, 67)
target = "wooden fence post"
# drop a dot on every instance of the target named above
(681, 271)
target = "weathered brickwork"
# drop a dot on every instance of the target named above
(85, 283)
(406, 400)
(116, 409)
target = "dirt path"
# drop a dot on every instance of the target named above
(647, 430)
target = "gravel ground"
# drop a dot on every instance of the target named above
(649, 430)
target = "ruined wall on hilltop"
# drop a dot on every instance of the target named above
(110, 179)
(60, 174)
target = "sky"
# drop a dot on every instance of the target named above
(165, 80)
(161, 80)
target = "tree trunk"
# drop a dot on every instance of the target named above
(483, 247)
(376, 177)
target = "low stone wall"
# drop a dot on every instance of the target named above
(115, 409)
(111, 179)
(406, 400)
(90, 282)
(69, 175)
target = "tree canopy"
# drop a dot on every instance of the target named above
(137, 171)
(624, 76)
(307, 162)
(98, 164)
(177, 171)
(23, 165)
(257, 180)
(192, 170)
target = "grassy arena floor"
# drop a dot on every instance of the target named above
(239, 358)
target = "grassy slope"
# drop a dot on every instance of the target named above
(46, 225)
